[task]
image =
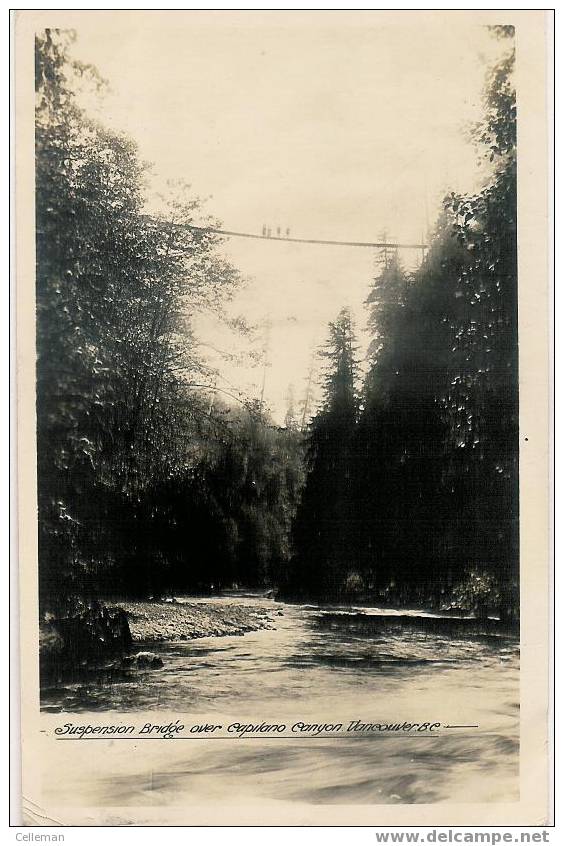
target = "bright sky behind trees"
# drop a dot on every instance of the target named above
(336, 126)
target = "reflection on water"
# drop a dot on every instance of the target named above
(304, 670)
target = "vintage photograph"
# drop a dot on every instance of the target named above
(277, 410)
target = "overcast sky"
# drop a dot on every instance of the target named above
(336, 129)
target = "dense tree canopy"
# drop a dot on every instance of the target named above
(427, 509)
(403, 489)
(129, 450)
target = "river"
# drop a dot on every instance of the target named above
(302, 671)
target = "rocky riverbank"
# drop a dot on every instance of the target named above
(100, 641)
(163, 621)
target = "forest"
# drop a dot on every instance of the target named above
(402, 489)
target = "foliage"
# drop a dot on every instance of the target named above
(418, 501)
(440, 423)
(406, 491)
(321, 530)
(129, 452)
(387, 292)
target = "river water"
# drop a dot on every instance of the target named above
(303, 671)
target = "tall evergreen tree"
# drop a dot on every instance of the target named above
(387, 292)
(324, 520)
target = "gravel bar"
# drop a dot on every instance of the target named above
(165, 621)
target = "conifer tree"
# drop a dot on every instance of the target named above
(324, 519)
(387, 292)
